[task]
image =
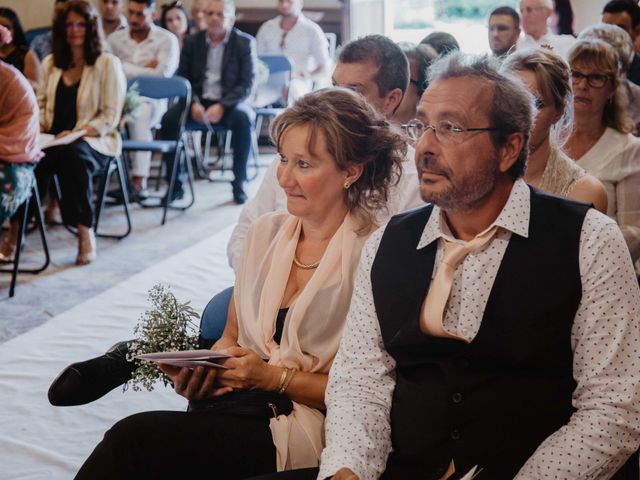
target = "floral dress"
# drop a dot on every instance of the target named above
(15, 184)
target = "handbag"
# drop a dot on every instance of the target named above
(245, 403)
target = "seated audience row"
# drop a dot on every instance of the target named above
(82, 88)
(471, 153)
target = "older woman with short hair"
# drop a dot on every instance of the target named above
(548, 78)
(293, 288)
(601, 141)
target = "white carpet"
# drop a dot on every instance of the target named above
(38, 441)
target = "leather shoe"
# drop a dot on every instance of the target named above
(239, 196)
(84, 382)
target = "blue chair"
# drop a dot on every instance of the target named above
(214, 318)
(280, 67)
(34, 32)
(175, 89)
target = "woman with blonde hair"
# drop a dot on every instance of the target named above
(293, 288)
(601, 141)
(547, 76)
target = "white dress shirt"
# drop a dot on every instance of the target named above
(605, 339)
(560, 43)
(271, 198)
(305, 43)
(615, 161)
(160, 44)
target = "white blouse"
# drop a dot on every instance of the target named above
(615, 161)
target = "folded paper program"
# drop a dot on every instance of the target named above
(188, 358)
(47, 140)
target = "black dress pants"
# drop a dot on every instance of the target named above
(183, 445)
(75, 165)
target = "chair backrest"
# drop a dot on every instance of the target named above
(332, 40)
(271, 92)
(34, 32)
(166, 88)
(277, 63)
(161, 87)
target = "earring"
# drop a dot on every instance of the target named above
(346, 185)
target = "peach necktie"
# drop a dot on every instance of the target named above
(432, 314)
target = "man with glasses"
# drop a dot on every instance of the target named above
(504, 30)
(535, 15)
(144, 49)
(220, 62)
(292, 33)
(475, 332)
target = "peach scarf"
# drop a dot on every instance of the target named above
(312, 327)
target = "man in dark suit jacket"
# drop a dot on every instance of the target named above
(220, 63)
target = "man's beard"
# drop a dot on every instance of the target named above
(462, 194)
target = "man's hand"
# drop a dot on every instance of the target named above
(196, 384)
(152, 64)
(198, 113)
(215, 113)
(63, 133)
(345, 474)
(247, 371)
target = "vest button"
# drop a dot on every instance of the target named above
(455, 434)
(456, 397)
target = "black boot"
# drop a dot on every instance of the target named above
(84, 382)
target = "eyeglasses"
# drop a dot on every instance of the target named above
(446, 132)
(595, 80)
(78, 25)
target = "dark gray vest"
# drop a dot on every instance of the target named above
(493, 401)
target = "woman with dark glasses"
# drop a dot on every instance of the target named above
(601, 141)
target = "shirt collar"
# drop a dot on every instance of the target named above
(224, 42)
(514, 217)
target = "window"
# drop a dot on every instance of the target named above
(466, 20)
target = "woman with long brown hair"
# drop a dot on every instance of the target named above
(82, 90)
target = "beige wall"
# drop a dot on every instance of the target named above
(37, 13)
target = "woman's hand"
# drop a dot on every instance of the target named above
(224, 343)
(196, 384)
(247, 371)
(91, 131)
(63, 133)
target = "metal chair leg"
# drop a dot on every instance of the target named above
(102, 195)
(34, 197)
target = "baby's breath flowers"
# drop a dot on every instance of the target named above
(167, 327)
